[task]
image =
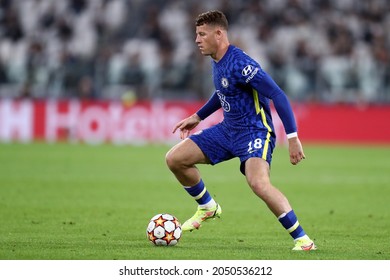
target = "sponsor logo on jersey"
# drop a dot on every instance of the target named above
(247, 70)
(252, 75)
(222, 98)
(224, 82)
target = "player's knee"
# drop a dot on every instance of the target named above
(260, 187)
(172, 160)
(169, 159)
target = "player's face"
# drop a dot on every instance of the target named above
(206, 39)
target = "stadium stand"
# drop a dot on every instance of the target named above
(317, 50)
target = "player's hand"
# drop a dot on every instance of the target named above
(186, 125)
(295, 150)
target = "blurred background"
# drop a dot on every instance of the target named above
(317, 50)
(126, 71)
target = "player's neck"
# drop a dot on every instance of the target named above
(223, 48)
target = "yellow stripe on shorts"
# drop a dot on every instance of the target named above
(265, 149)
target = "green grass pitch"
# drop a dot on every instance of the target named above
(80, 202)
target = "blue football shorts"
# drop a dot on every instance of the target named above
(220, 143)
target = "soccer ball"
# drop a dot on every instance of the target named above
(164, 230)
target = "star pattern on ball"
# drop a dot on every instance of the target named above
(151, 236)
(168, 237)
(160, 221)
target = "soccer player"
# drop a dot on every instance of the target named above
(243, 90)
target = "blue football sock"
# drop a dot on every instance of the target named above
(290, 223)
(200, 194)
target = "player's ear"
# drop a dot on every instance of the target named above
(218, 33)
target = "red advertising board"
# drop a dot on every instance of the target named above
(344, 123)
(152, 122)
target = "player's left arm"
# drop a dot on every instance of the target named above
(267, 86)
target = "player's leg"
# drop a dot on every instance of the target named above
(181, 160)
(257, 174)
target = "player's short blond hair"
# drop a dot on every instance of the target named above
(216, 18)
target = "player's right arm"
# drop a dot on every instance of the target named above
(185, 126)
(210, 107)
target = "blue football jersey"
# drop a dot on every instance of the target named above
(244, 90)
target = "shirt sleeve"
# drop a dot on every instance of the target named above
(267, 87)
(283, 107)
(212, 105)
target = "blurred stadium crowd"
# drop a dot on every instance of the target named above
(317, 50)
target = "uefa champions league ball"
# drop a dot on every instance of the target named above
(164, 230)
